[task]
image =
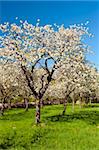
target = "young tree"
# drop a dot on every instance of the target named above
(45, 47)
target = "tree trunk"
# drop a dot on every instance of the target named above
(2, 109)
(80, 103)
(26, 104)
(90, 101)
(65, 106)
(41, 103)
(9, 104)
(37, 119)
(73, 104)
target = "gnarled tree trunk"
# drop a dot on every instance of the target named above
(38, 112)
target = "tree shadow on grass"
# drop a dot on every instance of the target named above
(90, 117)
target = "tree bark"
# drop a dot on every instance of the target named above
(2, 109)
(73, 104)
(37, 119)
(90, 101)
(26, 104)
(80, 103)
(9, 104)
(41, 103)
(65, 106)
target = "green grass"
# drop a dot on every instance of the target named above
(74, 131)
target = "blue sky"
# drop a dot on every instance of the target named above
(63, 12)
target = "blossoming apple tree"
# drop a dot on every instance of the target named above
(46, 47)
(13, 84)
(77, 77)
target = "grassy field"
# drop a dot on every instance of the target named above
(74, 131)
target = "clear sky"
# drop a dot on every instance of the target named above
(60, 12)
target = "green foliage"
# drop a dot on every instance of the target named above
(74, 131)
